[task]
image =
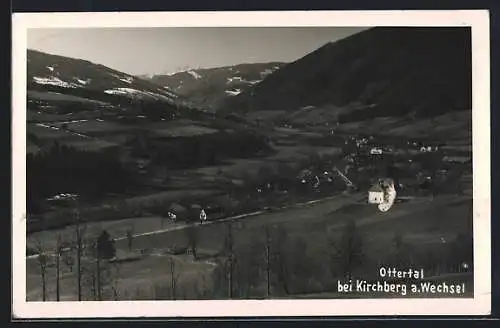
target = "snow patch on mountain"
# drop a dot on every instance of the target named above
(52, 80)
(84, 82)
(238, 79)
(234, 79)
(266, 72)
(128, 80)
(169, 92)
(194, 74)
(122, 91)
(233, 92)
(135, 92)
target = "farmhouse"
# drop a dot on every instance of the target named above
(375, 194)
(177, 212)
(427, 149)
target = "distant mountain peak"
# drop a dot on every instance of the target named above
(207, 87)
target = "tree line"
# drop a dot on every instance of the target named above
(280, 264)
(63, 169)
(270, 263)
(84, 256)
(204, 150)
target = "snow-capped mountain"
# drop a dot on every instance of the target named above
(66, 75)
(208, 87)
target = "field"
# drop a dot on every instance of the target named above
(424, 224)
(54, 96)
(455, 125)
(182, 131)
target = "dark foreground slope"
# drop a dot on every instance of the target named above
(392, 71)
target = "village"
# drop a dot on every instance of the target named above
(418, 168)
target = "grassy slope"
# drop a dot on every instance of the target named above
(399, 74)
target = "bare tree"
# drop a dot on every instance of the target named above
(80, 228)
(230, 258)
(60, 245)
(88, 274)
(247, 270)
(282, 259)
(174, 276)
(192, 236)
(130, 238)
(96, 271)
(349, 252)
(116, 278)
(268, 261)
(68, 259)
(401, 254)
(42, 263)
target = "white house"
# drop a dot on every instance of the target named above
(203, 215)
(376, 195)
(376, 151)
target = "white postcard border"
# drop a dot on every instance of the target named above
(478, 20)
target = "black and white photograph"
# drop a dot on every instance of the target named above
(286, 166)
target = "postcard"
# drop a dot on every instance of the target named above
(236, 164)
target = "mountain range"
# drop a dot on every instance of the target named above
(78, 77)
(208, 87)
(403, 72)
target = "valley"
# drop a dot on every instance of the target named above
(141, 161)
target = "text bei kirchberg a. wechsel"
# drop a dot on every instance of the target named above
(399, 282)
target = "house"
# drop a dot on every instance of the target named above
(177, 212)
(425, 149)
(376, 195)
(376, 151)
(198, 212)
(361, 142)
(203, 215)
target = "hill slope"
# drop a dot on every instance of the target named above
(208, 87)
(77, 77)
(386, 71)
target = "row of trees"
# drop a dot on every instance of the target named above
(204, 150)
(84, 256)
(280, 265)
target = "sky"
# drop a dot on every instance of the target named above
(169, 49)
